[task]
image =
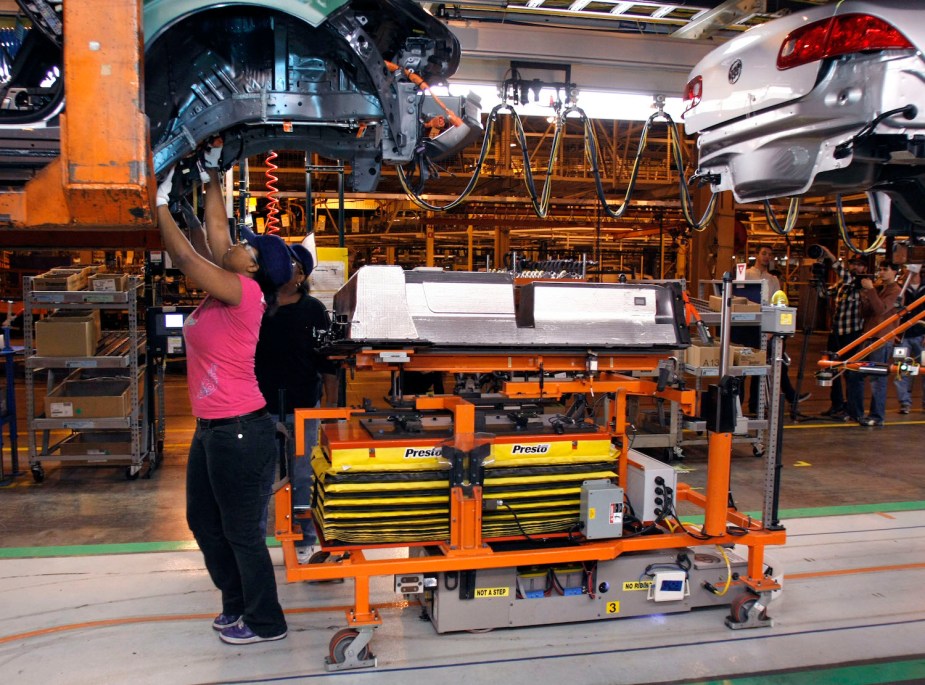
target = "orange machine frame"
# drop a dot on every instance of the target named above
(464, 550)
(102, 182)
(855, 361)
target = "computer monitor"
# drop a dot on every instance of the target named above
(165, 330)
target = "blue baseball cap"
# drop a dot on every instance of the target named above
(273, 256)
(303, 257)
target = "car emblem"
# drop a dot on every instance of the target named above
(735, 71)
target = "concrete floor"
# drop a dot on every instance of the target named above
(101, 583)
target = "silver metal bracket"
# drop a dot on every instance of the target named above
(351, 654)
(753, 619)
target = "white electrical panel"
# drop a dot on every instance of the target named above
(650, 485)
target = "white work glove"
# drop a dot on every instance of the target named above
(211, 156)
(163, 190)
(210, 159)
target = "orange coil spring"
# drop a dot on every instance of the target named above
(273, 224)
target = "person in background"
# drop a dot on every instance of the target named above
(912, 337)
(878, 303)
(233, 448)
(847, 323)
(293, 375)
(761, 271)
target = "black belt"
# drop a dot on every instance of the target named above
(214, 423)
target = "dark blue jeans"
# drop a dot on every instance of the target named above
(837, 394)
(225, 497)
(855, 383)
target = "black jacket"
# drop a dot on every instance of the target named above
(287, 357)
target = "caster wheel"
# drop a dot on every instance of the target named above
(741, 606)
(131, 473)
(340, 643)
(319, 557)
(38, 474)
(678, 454)
(758, 452)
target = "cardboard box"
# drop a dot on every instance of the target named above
(62, 314)
(716, 302)
(67, 336)
(89, 399)
(747, 306)
(701, 355)
(98, 444)
(107, 283)
(61, 279)
(746, 356)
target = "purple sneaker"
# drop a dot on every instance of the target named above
(223, 621)
(240, 634)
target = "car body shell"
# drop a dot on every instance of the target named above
(271, 75)
(765, 132)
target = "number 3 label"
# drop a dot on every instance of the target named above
(613, 607)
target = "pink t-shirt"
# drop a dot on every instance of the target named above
(220, 345)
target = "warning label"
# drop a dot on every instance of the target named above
(631, 585)
(485, 592)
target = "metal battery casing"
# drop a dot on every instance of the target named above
(619, 589)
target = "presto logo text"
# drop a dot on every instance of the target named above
(412, 453)
(530, 449)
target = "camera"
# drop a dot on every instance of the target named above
(819, 270)
(815, 252)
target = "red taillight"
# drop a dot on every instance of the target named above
(836, 36)
(693, 92)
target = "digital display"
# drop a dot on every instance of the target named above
(165, 329)
(672, 585)
(173, 320)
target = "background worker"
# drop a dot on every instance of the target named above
(912, 337)
(847, 323)
(761, 271)
(878, 303)
(292, 374)
(233, 447)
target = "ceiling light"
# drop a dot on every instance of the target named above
(596, 104)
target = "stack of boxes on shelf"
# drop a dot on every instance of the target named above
(79, 277)
(707, 356)
(739, 304)
(76, 333)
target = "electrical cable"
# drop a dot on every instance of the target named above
(710, 586)
(517, 521)
(682, 562)
(843, 228)
(272, 223)
(687, 203)
(540, 201)
(793, 211)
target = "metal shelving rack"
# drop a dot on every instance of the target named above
(684, 431)
(119, 351)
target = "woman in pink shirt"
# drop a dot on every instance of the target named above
(233, 452)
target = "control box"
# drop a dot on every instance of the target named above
(601, 509)
(165, 330)
(669, 586)
(650, 485)
(779, 320)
